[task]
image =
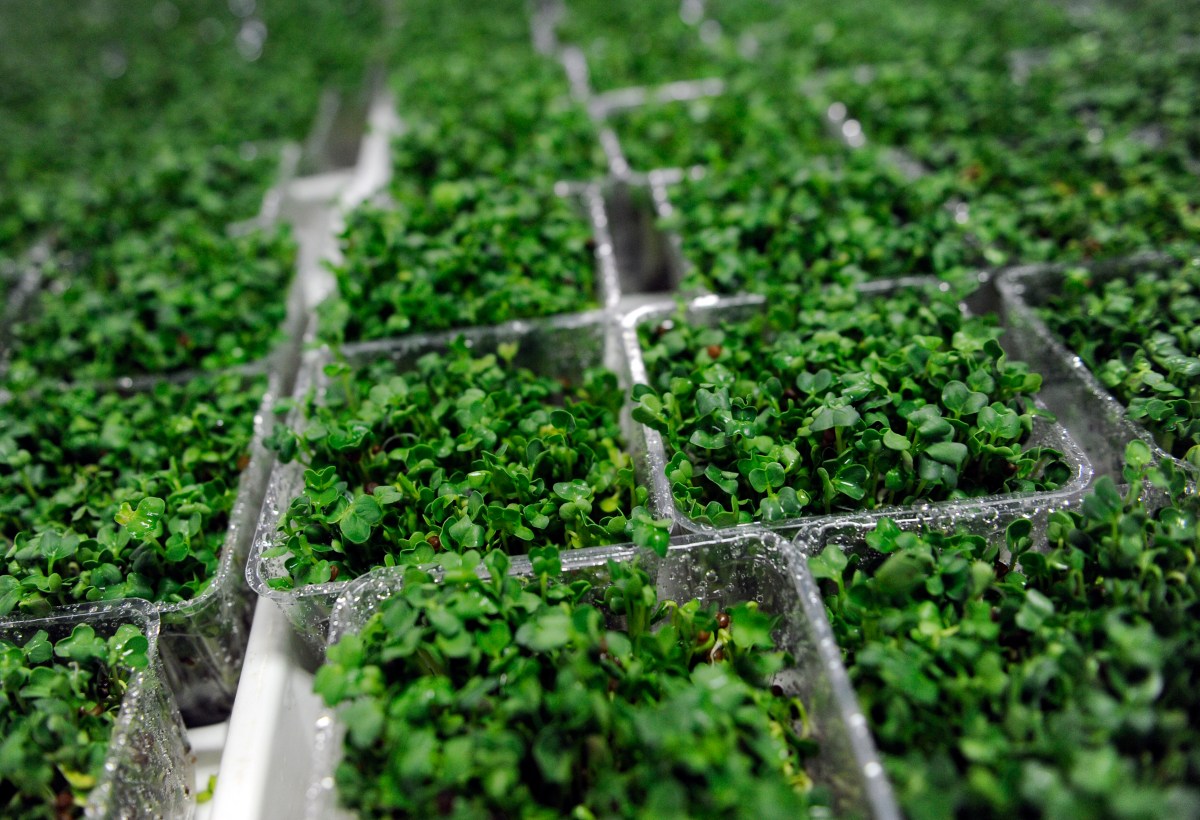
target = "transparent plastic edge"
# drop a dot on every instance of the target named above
(849, 532)
(308, 608)
(148, 770)
(878, 789)
(1046, 433)
(844, 726)
(1029, 332)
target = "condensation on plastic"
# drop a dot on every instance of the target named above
(203, 640)
(721, 570)
(148, 771)
(1096, 418)
(710, 310)
(556, 347)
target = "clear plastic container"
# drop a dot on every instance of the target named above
(988, 521)
(149, 768)
(750, 565)
(1095, 417)
(559, 347)
(710, 310)
(285, 351)
(203, 640)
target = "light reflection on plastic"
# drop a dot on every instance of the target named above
(113, 63)
(852, 131)
(242, 8)
(691, 11)
(251, 38)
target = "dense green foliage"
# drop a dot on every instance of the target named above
(187, 298)
(60, 702)
(643, 43)
(457, 452)
(761, 221)
(749, 118)
(840, 401)
(542, 698)
(1140, 335)
(1052, 678)
(105, 495)
(471, 252)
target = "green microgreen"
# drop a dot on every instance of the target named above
(183, 298)
(1048, 675)
(747, 118)
(837, 400)
(1140, 335)
(544, 697)
(453, 453)
(762, 221)
(61, 700)
(643, 43)
(474, 252)
(104, 495)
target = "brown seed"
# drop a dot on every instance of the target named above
(713, 351)
(435, 542)
(370, 487)
(723, 620)
(333, 573)
(702, 636)
(718, 654)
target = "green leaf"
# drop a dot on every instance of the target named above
(82, 645)
(948, 452)
(145, 522)
(829, 563)
(550, 630)
(358, 519)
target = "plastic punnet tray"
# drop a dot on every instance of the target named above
(202, 640)
(1083, 405)
(148, 770)
(559, 347)
(987, 521)
(284, 350)
(710, 310)
(748, 565)
(587, 199)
